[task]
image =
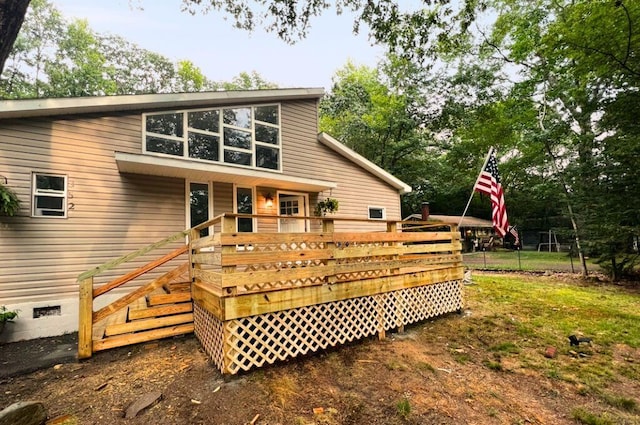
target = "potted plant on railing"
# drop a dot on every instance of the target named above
(9, 202)
(6, 316)
(328, 206)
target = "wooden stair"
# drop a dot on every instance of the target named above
(166, 311)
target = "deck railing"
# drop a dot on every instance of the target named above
(231, 264)
(119, 332)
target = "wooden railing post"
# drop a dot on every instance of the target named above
(193, 236)
(328, 226)
(228, 225)
(85, 322)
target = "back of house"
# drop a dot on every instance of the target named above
(101, 177)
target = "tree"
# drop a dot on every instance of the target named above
(80, 68)
(55, 58)
(373, 115)
(12, 15)
(36, 44)
(575, 63)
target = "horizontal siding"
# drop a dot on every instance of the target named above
(112, 214)
(304, 156)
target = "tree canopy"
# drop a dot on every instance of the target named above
(53, 57)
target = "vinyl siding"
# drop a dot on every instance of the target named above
(304, 156)
(109, 214)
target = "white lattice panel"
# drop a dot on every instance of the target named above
(209, 331)
(266, 338)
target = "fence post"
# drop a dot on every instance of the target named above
(85, 319)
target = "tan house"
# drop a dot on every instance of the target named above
(103, 176)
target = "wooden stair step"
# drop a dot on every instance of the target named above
(176, 297)
(148, 324)
(158, 311)
(128, 339)
(99, 328)
(178, 287)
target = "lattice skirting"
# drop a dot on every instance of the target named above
(241, 344)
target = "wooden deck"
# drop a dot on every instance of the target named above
(260, 298)
(257, 298)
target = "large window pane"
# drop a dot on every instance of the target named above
(267, 113)
(167, 124)
(199, 205)
(205, 120)
(244, 205)
(266, 134)
(44, 182)
(267, 157)
(171, 147)
(239, 117)
(235, 157)
(49, 202)
(203, 146)
(237, 138)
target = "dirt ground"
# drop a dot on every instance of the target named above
(411, 378)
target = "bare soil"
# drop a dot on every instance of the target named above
(426, 375)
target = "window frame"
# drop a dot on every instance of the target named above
(35, 192)
(382, 209)
(186, 130)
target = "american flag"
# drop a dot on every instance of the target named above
(489, 183)
(514, 231)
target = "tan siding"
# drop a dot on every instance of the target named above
(222, 200)
(112, 214)
(304, 156)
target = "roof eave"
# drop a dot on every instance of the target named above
(100, 104)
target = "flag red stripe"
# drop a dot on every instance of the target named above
(489, 184)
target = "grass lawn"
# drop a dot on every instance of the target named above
(522, 315)
(524, 260)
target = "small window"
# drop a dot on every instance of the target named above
(49, 195)
(377, 213)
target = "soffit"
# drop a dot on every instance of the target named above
(200, 171)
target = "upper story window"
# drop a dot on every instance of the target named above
(247, 136)
(49, 195)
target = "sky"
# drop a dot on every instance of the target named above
(220, 50)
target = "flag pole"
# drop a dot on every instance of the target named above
(486, 160)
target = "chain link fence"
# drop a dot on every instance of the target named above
(523, 261)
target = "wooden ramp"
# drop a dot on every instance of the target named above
(163, 308)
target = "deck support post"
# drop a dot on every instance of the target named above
(85, 319)
(392, 226)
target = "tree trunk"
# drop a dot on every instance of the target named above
(11, 18)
